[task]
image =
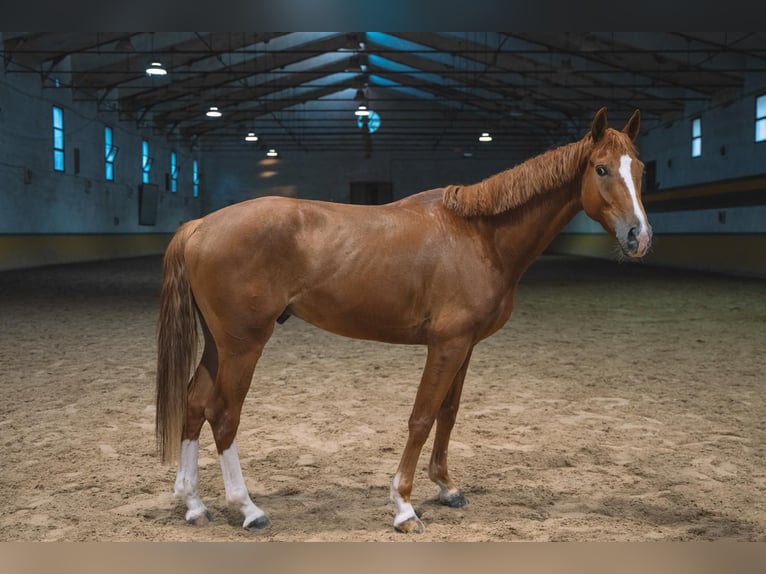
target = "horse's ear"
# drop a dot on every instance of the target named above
(633, 126)
(598, 127)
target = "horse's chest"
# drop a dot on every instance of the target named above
(501, 312)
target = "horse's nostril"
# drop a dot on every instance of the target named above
(633, 239)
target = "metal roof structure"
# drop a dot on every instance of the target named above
(433, 91)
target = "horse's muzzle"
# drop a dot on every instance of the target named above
(636, 242)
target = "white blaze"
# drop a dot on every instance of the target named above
(627, 176)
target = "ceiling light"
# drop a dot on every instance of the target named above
(371, 121)
(485, 137)
(362, 111)
(251, 137)
(156, 69)
(272, 153)
(213, 112)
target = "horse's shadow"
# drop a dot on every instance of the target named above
(365, 512)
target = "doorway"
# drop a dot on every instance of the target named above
(371, 192)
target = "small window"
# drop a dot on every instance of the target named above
(195, 178)
(146, 162)
(110, 152)
(760, 118)
(173, 172)
(58, 138)
(696, 137)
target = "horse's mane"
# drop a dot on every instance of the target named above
(516, 186)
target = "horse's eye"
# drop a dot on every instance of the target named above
(601, 170)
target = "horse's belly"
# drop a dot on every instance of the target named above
(373, 321)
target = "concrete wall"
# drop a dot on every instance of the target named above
(54, 217)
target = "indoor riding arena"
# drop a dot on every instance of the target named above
(623, 400)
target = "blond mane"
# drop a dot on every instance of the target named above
(516, 186)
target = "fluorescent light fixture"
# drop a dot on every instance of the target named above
(485, 137)
(251, 137)
(272, 153)
(156, 69)
(213, 112)
(362, 111)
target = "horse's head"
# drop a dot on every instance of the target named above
(611, 184)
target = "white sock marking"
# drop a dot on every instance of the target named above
(404, 509)
(187, 478)
(234, 483)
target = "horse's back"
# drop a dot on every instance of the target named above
(278, 223)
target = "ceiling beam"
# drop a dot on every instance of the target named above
(263, 108)
(228, 101)
(33, 50)
(542, 86)
(650, 64)
(259, 64)
(176, 56)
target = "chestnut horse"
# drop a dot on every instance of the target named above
(438, 268)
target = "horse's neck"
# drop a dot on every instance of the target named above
(522, 234)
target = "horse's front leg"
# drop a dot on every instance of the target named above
(443, 362)
(449, 494)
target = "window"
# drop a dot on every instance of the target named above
(110, 152)
(146, 162)
(195, 178)
(696, 137)
(760, 118)
(173, 172)
(58, 138)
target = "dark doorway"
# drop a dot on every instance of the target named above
(371, 192)
(650, 177)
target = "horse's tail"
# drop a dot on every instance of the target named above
(176, 346)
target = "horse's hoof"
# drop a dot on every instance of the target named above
(200, 519)
(411, 526)
(260, 523)
(454, 500)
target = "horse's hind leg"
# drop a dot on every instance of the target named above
(200, 389)
(437, 469)
(235, 372)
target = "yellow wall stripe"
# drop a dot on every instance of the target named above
(737, 254)
(734, 254)
(757, 183)
(18, 251)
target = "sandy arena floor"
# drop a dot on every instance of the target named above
(621, 402)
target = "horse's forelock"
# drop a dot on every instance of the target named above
(619, 142)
